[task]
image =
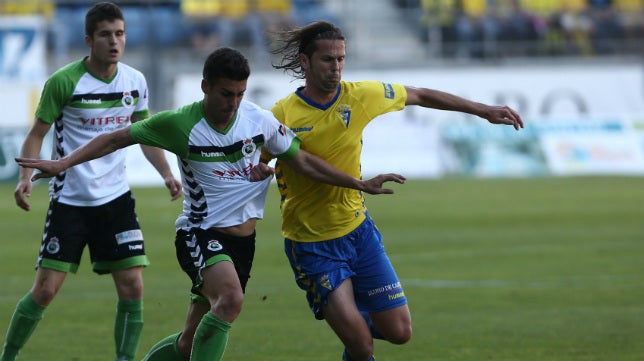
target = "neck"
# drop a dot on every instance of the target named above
(217, 122)
(103, 70)
(317, 95)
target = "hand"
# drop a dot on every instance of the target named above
(47, 168)
(174, 186)
(261, 172)
(374, 185)
(22, 189)
(504, 115)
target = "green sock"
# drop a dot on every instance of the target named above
(127, 328)
(165, 350)
(23, 323)
(210, 339)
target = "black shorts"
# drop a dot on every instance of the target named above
(198, 248)
(111, 231)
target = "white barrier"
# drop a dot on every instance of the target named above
(425, 143)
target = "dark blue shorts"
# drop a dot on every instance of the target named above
(321, 267)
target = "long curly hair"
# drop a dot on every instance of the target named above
(292, 43)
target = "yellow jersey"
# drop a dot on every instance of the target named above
(313, 211)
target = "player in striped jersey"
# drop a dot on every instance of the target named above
(90, 205)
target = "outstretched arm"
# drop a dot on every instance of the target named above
(96, 148)
(321, 171)
(436, 99)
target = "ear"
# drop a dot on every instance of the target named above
(88, 40)
(304, 61)
(204, 86)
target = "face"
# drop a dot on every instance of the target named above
(222, 98)
(324, 68)
(108, 42)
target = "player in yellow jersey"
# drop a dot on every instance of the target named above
(335, 250)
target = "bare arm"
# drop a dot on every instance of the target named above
(157, 158)
(436, 99)
(30, 149)
(96, 148)
(318, 169)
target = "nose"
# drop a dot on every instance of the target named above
(114, 38)
(237, 100)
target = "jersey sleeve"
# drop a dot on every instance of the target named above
(278, 113)
(380, 97)
(281, 142)
(141, 109)
(161, 130)
(54, 96)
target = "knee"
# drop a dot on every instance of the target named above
(400, 335)
(129, 284)
(43, 295)
(397, 332)
(228, 305)
(401, 338)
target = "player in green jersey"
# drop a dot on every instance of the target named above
(218, 141)
(90, 206)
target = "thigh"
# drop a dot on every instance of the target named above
(376, 284)
(343, 316)
(129, 283)
(197, 249)
(319, 269)
(220, 280)
(64, 237)
(116, 241)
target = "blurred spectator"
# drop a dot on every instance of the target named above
(276, 16)
(631, 14)
(478, 28)
(576, 26)
(606, 26)
(492, 28)
(27, 7)
(307, 11)
(214, 23)
(437, 25)
(522, 30)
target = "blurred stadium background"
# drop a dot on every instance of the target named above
(574, 70)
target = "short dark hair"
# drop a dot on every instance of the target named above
(100, 12)
(226, 63)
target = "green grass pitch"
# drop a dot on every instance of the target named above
(501, 269)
